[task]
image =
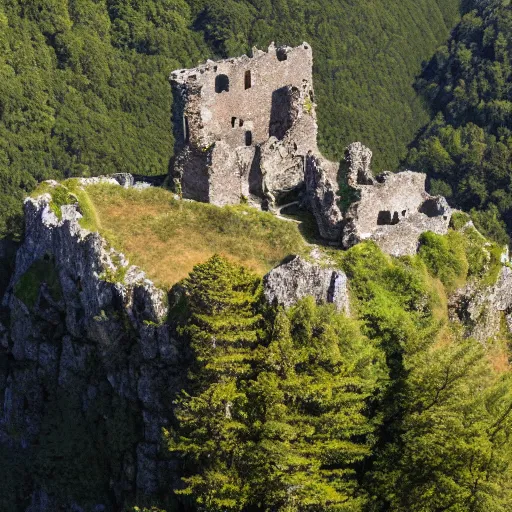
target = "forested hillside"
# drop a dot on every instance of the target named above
(467, 148)
(83, 83)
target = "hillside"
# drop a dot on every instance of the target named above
(118, 393)
(467, 148)
(84, 91)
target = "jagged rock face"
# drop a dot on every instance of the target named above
(480, 310)
(321, 198)
(282, 169)
(297, 278)
(393, 209)
(101, 339)
(359, 159)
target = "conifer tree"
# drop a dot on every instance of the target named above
(451, 448)
(310, 411)
(223, 328)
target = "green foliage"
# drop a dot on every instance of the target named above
(467, 148)
(459, 220)
(490, 224)
(445, 257)
(449, 450)
(309, 406)
(85, 91)
(41, 271)
(223, 328)
(277, 417)
(394, 299)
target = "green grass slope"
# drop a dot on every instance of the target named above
(83, 84)
(167, 237)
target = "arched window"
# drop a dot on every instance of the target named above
(221, 83)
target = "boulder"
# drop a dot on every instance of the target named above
(297, 278)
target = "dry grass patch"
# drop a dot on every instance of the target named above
(167, 237)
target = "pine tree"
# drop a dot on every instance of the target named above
(310, 411)
(451, 448)
(223, 328)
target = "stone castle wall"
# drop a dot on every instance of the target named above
(226, 111)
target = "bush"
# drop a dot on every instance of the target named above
(41, 271)
(445, 257)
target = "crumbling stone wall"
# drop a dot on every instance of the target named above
(393, 208)
(243, 126)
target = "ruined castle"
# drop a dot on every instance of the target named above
(244, 126)
(245, 131)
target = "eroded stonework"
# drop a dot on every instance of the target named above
(393, 209)
(244, 126)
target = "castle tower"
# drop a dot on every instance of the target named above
(243, 126)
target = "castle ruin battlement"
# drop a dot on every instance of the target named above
(244, 125)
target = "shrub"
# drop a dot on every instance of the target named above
(445, 257)
(41, 271)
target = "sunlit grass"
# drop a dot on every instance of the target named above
(167, 237)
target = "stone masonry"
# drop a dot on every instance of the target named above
(243, 126)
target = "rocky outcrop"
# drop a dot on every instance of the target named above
(281, 168)
(297, 278)
(359, 159)
(321, 198)
(392, 209)
(89, 328)
(481, 309)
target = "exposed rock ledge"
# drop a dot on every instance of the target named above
(480, 310)
(297, 278)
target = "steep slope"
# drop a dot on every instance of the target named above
(93, 358)
(83, 85)
(467, 148)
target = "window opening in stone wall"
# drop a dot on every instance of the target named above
(248, 82)
(248, 138)
(221, 83)
(281, 54)
(241, 123)
(386, 219)
(233, 122)
(186, 132)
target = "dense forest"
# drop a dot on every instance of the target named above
(467, 148)
(84, 91)
(308, 410)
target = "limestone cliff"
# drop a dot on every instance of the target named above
(85, 322)
(90, 364)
